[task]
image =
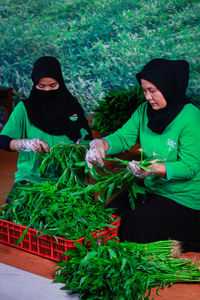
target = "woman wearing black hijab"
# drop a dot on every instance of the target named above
(49, 116)
(169, 126)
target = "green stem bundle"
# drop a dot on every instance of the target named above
(62, 162)
(124, 270)
(109, 183)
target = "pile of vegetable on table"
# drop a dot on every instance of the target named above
(65, 206)
(124, 271)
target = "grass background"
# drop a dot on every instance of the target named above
(100, 43)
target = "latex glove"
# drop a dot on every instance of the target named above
(137, 171)
(96, 153)
(26, 145)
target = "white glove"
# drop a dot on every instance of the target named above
(137, 171)
(26, 145)
(96, 153)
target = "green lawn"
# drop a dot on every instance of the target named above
(100, 43)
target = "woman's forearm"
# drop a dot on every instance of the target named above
(26, 145)
(159, 169)
(106, 145)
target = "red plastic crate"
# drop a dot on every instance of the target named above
(46, 246)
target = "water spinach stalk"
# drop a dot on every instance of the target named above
(62, 161)
(124, 270)
(68, 212)
(110, 183)
(112, 109)
(65, 206)
(70, 167)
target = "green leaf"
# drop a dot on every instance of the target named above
(112, 253)
(21, 237)
(131, 200)
(110, 190)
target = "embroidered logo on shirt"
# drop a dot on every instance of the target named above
(74, 117)
(171, 143)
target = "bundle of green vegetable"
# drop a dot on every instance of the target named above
(110, 183)
(123, 270)
(69, 163)
(62, 160)
(116, 108)
(69, 212)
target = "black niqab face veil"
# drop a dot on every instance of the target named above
(52, 111)
(171, 78)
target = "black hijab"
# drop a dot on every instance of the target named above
(55, 112)
(171, 78)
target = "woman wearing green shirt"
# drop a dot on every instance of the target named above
(169, 126)
(49, 116)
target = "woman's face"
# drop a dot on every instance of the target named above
(153, 95)
(47, 84)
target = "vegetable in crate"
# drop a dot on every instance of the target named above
(168, 125)
(43, 120)
(124, 270)
(69, 212)
(65, 207)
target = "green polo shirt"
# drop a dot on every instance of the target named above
(17, 127)
(178, 145)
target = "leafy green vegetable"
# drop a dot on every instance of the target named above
(67, 162)
(116, 108)
(66, 206)
(124, 270)
(67, 212)
(110, 183)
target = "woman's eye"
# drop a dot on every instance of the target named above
(53, 85)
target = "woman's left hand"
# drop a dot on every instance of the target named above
(137, 171)
(155, 169)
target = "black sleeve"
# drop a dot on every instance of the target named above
(5, 142)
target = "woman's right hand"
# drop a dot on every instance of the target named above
(26, 145)
(96, 153)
